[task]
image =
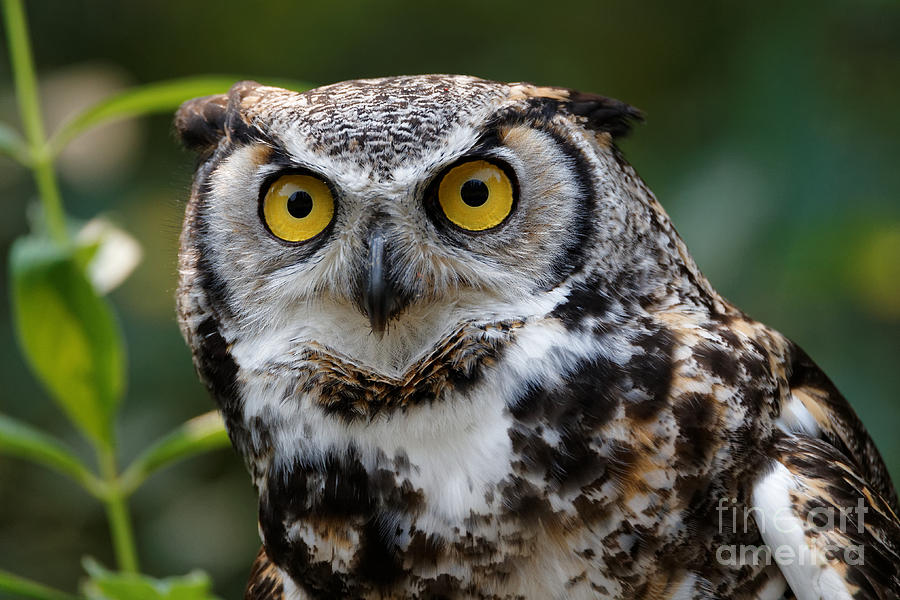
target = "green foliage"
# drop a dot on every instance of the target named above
(23, 588)
(159, 97)
(206, 432)
(109, 585)
(24, 441)
(71, 340)
(68, 334)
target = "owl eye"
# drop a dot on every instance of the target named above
(297, 207)
(476, 195)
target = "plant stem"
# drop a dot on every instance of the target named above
(30, 111)
(24, 588)
(48, 191)
(117, 513)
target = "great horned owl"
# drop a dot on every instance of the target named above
(465, 354)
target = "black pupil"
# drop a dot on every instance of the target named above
(474, 192)
(300, 204)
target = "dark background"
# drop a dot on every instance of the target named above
(772, 137)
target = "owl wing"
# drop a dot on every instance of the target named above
(835, 421)
(265, 581)
(826, 508)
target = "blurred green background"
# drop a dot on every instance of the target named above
(772, 138)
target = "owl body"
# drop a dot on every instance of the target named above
(466, 355)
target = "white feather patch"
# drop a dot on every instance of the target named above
(795, 418)
(806, 569)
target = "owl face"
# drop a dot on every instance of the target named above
(380, 215)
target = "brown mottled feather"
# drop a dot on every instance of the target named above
(357, 392)
(840, 425)
(265, 580)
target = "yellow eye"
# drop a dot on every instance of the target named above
(297, 207)
(476, 195)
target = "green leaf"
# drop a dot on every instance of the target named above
(68, 334)
(24, 441)
(159, 97)
(12, 144)
(200, 434)
(25, 588)
(108, 585)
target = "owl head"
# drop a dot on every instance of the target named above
(372, 217)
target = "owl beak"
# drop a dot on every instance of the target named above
(380, 301)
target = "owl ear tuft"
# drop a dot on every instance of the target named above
(604, 114)
(600, 113)
(202, 122)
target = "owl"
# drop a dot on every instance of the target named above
(465, 354)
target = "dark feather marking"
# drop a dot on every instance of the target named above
(717, 361)
(584, 301)
(218, 370)
(213, 285)
(338, 489)
(524, 502)
(442, 587)
(697, 429)
(651, 372)
(424, 548)
(378, 563)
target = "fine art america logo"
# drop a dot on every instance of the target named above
(822, 524)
